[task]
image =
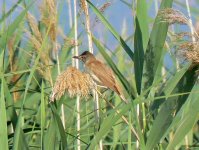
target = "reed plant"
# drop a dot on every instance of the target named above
(48, 101)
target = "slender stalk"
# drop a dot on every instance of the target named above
(70, 13)
(58, 63)
(138, 115)
(123, 117)
(76, 63)
(190, 21)
(125, 120)
(70, 25)
(62, 106)
(193, 39)
(163, 68)
(138, 105)
(76, 38)
(88, 28)
(96, 96)
(59, 71)
(156, 6)
(78, 122)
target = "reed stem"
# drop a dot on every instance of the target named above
(76, 63)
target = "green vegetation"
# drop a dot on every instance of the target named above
(163, 101)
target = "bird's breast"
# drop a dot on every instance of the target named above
(94, 77)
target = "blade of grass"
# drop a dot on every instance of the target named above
(140, 41)
(171, 105)
(118, 48)
(152, 68)
(142, 21)
(10, 11)
(18, 131)
(172, 82)
(112, 30)
(109, 122)
(105, 127)
(138, 56)
(117, 129)
(188, 118)
(43, 115)
(154, 52)
(3, 124)
(11, 109)
(50, 136)
(12, 28)
(160, 124)
(60, 127)
(17, 72)
(2, 62)
(19, 122)
(126, 3)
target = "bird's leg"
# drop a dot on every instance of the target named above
(100, 94)
(104, 87)
(95, 87)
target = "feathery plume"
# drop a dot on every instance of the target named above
(74, 82)
(83, 5)
(49, 17)
(181, 35)
(172, 16)
(192, 56)
(197, 26)
(69, 42)
(189, 46)
(102, 9)
(34, 27)
(190, 50)
(34, 41)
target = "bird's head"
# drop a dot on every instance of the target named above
(85, 56)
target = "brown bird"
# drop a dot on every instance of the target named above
(101, 74)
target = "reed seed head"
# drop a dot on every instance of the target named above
(34, 41)
(83, 5)
(73, 82)
(69, 42)
(197, 26)
(190, 51)
(181, 35)
(49, 17)
(172, 16)
(34, 27)
(192, 56)
(102, 9)
(189, 46)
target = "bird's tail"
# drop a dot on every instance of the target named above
(118, 91)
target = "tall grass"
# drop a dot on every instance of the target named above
(35, 48)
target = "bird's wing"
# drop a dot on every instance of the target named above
(103, 73)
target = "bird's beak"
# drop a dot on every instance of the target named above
(76, 57)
